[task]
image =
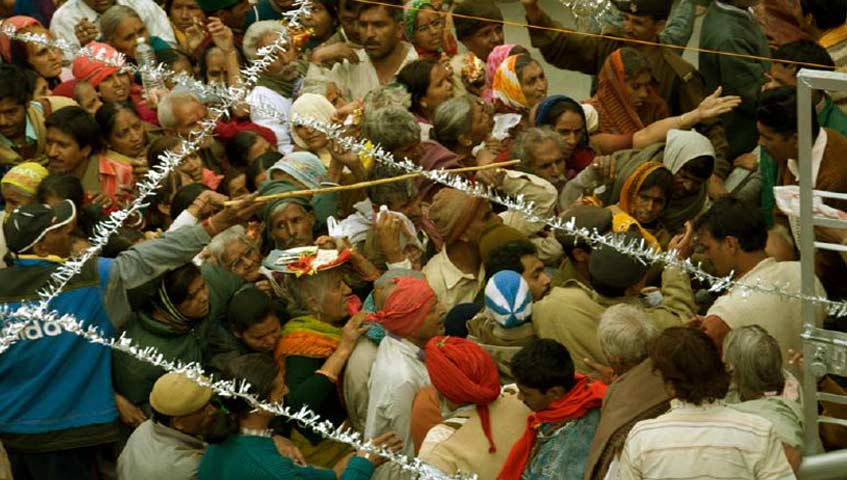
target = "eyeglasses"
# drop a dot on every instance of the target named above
(434, 26)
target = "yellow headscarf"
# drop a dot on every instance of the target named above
(25, 176)
(507, 86)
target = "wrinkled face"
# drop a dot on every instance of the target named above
(534, 398)
(638, 88)
(483, 41)
(12, 118)
(45, 60)
(648, 204)
(314, 139)
(485, 217)
(184, 13)
(196, 305)
(115, 87)
(380, 33)
(333, 307)
(685, 184)
(571, 127)
(432, 326)
(100, 6)
(780, 76)
(242, 259)
(320, 21)
(483, 122)
(216, 67)
(87, 98)
(533, 84)
(292, 226)
(128, 135)
(717, 252)
(15, 197)
(262, 336)
(547, 161)
(641, 28)
(429, 30)
(259, 147)
(64, 155)
(779, 146)
(440, 88)
(533, 273)
(188, 114)
(126, 35)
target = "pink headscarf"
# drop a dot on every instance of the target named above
(20, 22)
(495, 58)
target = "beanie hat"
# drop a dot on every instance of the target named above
(508, 299)
(176, 395)
(464, 373)
(95, 71)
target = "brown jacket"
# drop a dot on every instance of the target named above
(677, 81)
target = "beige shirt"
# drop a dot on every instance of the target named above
(780, 316)
(690, 440)
(451, 285)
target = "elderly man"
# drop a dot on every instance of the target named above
(457, 273)
(615, 278)
(384, 53)
(180, 114)
(22, 132)
(169, 445)
(71, 410)
(541, 152)
(637, 392)
(77, 21)
(412, 315)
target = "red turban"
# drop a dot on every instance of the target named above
(406, 307)
(95, 71)
(464, 373)
(20, 22)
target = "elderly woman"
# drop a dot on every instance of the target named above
(760, 386)
(44, 60)
(315, 344)
(425, 29)
(519, 84)
(121, 27)
(430, 85)
(495, 58)
(462, 123)
(699, 433)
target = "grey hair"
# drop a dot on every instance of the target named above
(255, 33)
(625, 332)
(452, 119)
(755, 359)
(391, 128)
(165, 109)
(112, 18)
(391, 95)
(217, 246)
(307, 292)
(533, 137)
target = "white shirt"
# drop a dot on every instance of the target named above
(355, 79)
(398, 373)
(69, 15)
(690, 441)
(266, 98)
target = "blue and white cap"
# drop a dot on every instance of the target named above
(508, 299)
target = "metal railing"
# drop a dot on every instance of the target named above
(824, 351)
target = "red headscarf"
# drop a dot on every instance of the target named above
(406, 307)
(20, 22)
(464, 373)
(95, 71)
(583, 397)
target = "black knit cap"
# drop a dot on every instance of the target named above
(645, 8)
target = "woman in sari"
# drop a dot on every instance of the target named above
(518, 85)
(644, 196)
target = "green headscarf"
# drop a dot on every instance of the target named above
(412, 16)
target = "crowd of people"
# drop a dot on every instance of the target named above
(434, 323)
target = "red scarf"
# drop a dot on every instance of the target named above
(583, 397)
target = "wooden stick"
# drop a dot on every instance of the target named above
(371, 183)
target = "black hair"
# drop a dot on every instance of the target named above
(262, 163)
(239, 145)
(393, 7)
(107, 114)
(508, 257)
(828, 14)
(730, 217)
(607, 291)
(700, 167)
(178, 281)
(32, 78)
(558, 109)
(331, 7)
(248, 307)
(805, 51)
(185, 196)
(662, 178)
(123, 240)
(170, 56)
(778, 111)
(14, 84)
(415, 76)
(471, 16)
(158, 147)
(161, 418)
(62, 186)
(77, 123)
(257, 369)
(542, 365)
(231, 175)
